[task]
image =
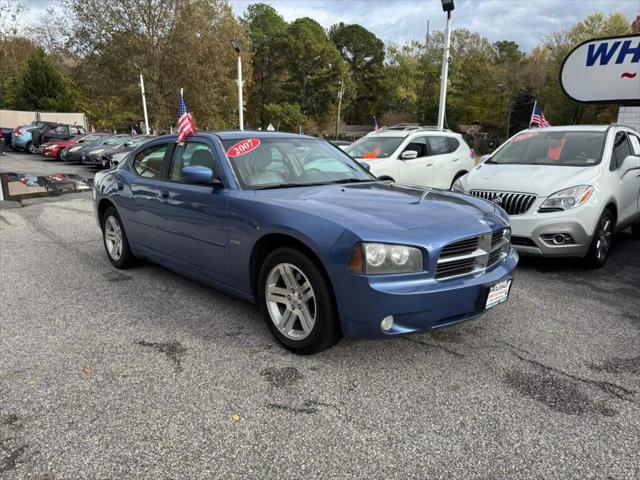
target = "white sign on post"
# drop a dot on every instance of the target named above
(604, 70)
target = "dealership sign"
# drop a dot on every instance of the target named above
(604, 70)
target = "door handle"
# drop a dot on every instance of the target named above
(455, 159)
(429, 164)
(164, 194)
(119, 186)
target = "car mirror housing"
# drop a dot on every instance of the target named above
(366, 166)
(409, 155)
(198, 174)
(630, 162)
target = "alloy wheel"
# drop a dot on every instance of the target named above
(603, 241)
(113, 237)
(291, 301)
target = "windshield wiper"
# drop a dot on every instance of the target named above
(353, 180)
(290, 185)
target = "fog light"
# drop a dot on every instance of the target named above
(558, 239)
(387, 323)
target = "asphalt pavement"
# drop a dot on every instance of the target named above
(145, 374)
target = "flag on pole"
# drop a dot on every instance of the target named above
(537, 117)
(186, 125)
(375, 124)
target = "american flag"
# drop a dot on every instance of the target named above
(537, 117)
(375, 124)
(186, 125)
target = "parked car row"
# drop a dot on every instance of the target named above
(102, 150)
(29, 138)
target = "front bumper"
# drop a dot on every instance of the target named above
(416, 304)
(531, 234)
(91, 160)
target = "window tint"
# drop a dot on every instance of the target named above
(60, 129)
(439, 145)
(418, 144)
(190, 155)
(635, 143)
(374, 147)
(453, 144)
(621, 150)
(148, 163)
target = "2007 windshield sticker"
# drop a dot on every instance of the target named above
(243, 147)
(524, 136)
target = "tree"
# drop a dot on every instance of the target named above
(364, 54)
(267, 31)
(42, 87)
(286, 116)
(314, 67)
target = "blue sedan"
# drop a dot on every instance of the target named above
(297, 226)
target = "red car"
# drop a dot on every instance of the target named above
(53, 148)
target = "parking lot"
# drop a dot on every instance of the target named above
(145, 374)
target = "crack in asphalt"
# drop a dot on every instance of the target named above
(174, 350)
(434, 345)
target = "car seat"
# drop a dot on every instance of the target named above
(258, 163)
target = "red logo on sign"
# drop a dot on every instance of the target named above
(243, 147)
(628, 75)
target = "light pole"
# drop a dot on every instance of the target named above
(236, 47)
(144, 106)
(340, 95)
(447, 6)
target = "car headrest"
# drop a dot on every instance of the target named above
(202, 158)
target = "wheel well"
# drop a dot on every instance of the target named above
(102, 207)
(270, 242)
(459, 174)
(612, 206)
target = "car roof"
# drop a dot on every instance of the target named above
(240, 134)
(571, 128)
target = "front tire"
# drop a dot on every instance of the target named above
(31, 148)
(297, 303)
(601, 243)
(115, 240)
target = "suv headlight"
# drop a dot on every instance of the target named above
(381, 258)
(75, 149)
(96, 151)
(568, 198)
(457, 186)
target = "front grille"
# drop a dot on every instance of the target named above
(471, 255)
(512, 203)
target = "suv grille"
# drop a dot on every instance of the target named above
(512, 203)
(471, 255)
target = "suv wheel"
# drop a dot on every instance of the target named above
(601, 243)
(115, 240)
(297, 303)
(31, 148)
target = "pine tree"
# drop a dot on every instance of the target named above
(42, 88)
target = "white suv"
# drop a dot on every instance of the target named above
(566, 189)
(415, 155)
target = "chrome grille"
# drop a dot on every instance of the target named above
(471, 255)
(512, 203)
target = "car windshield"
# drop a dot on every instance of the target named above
(374, 147)
(91, 138)
(566, 148)
(261, 163)
(116, 140)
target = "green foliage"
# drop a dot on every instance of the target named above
(364, 54)
(42, 88)
(286, 116)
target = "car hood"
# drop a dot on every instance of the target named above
(541, 180)
(383, 205)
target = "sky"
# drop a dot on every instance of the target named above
(527, 22)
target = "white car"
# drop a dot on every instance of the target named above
(415, 155)
(567, 190)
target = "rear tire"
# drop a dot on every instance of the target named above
(31, 148)
(115, 241)
(297, 303)
(601, 243)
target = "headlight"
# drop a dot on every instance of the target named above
(75, 149)
(506, 234)
(568, 198)
(55, 145)
(457, 186)
(381, 258)
(97, 151)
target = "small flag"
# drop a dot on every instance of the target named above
(537, 117)
(186, 125)
(375, 124)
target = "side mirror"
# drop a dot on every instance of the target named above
(484, 158)
(366, 166)
(409, 155)
(198, 174)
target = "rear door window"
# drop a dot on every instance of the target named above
(148, 163)
(439, 145)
